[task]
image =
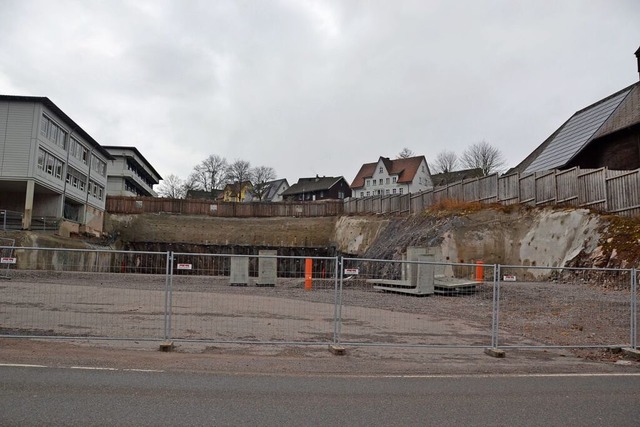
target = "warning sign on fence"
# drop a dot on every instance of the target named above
(184, 266)
(7, 260)
(351, 271)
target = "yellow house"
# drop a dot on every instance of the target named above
(231, 193)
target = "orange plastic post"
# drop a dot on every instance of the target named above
(308, 274)
(479, 271)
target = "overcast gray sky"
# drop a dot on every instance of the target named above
(317, 87)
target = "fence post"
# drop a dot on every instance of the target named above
(634, 308)
(167, 296)
(496, 307)
(337, 323)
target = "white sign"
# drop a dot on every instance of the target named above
(351, 271)
(184, 266)
(7, 260)
(509, 278)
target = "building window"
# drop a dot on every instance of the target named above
(387, 191)
(76, 179)
(50, 164)
(98, 165)
(368, 193)
(53, 132)
(368, 183)
(394, 179)
(400, 190)
(381, 170)
(374, 182)
(380, 181)
(394, 191)
(77, 150)
(96, 190)
(387, 181)
(362, 194)
(340, 194)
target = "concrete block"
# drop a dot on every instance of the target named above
(495, 352)
(631, 353)
(337, 350)
(166, 346)
(267, 268)
(239, 271)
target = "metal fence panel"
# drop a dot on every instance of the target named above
(564, 307)
(84, 293)
(382, 303)
(223, 298)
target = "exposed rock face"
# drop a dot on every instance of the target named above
(507, 236)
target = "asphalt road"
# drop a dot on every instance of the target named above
(67, 396)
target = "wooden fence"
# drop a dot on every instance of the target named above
(138, 205)
(602, 189)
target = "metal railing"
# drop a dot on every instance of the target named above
(10, 220)
(266, 299)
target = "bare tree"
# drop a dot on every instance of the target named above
(210, 174)
(261, 176)
(446, 161)
(172, 186)
(239, 172)
(484, 156)
(405, 153)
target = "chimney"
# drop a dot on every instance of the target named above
(638, 58)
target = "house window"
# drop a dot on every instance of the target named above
(394, 179)
(420, 180)
(394, 191)
(380, 181)
(387, 192)
(400, 190)
(340, 194)
(387, 181)
(374, 182)
(368, 193)
(362, 194)
(368, 183)
(381, 170)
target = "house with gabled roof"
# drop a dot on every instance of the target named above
(386, 177)
(272, 190)
(237, 192)
(318, 188)
(604, 134)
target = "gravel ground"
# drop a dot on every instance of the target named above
(570, 313)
